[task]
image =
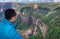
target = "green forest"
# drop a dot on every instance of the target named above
(48, 13)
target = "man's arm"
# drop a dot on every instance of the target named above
(13, 34)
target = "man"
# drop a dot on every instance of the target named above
(7, 28)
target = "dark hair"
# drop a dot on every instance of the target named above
(9, 13)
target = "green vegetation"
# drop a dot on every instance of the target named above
(51, 19)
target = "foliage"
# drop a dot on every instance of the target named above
(51, 19)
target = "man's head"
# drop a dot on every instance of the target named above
(11, 15)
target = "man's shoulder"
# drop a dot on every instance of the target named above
(1, 23)
(9, 27)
